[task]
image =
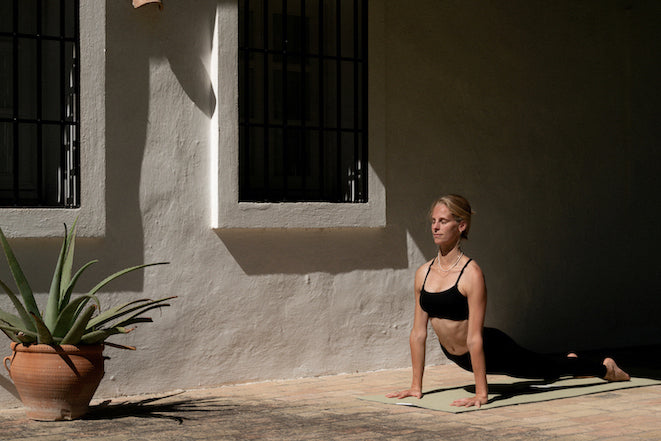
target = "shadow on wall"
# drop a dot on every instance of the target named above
(181, 34)
(150, 35)
(542, 117)
(8, 385)
(307, 251)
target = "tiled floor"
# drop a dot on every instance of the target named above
(326, 408)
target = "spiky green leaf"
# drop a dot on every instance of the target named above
(122, 310)
(64, 300)
(11, 319)
(19, 277)
(25, 339)
(19, 335)
(70, 313)
(44, 335)
(25, 316)
(117, 311)
(135, 318)
(78, 329)
(18, 330)
(112, 277)
(68, 262)
(11, 335)
(53, 304)
(99, 336)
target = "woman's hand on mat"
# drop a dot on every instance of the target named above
(405, 393)
(472, 401)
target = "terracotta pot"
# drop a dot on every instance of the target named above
(55, 382)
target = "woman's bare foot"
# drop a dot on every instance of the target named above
(613, 372)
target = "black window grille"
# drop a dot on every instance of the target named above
(303, 100)
(39, 103)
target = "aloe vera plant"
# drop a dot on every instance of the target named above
(68, 320)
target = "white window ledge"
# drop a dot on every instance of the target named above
(226, 211)
(47, 222)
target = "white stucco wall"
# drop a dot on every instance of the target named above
(542, 117)
(252, 305)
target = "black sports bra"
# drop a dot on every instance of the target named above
(449, 304)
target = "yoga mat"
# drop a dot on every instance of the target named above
(513, 391)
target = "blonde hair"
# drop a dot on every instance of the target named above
(460, 209)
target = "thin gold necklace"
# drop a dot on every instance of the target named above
(452, 266)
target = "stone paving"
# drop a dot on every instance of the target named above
(326, 408)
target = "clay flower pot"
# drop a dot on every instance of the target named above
(55, 382)
(57, 362)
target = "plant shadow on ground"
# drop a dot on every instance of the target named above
(158, 408)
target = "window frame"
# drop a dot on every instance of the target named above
(303, 101)
(91, 215)
(226, 210)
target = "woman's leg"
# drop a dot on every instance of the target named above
(504, 356)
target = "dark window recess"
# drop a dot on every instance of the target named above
(39, 103)
(303, 100)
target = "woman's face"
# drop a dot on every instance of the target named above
(445, 229)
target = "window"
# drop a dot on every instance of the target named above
(303, 101)
(90, 130)
(39, 103)
(227, 211)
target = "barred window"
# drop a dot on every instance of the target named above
(303, 101)
(39, 103)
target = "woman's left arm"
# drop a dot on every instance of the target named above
(476, 291)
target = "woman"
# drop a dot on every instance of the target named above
(450, 291)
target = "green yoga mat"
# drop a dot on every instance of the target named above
(509, 392)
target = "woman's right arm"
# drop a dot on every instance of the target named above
(417, 342)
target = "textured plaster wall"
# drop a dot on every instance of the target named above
(543, 116)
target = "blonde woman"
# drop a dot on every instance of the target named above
(450, 292)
